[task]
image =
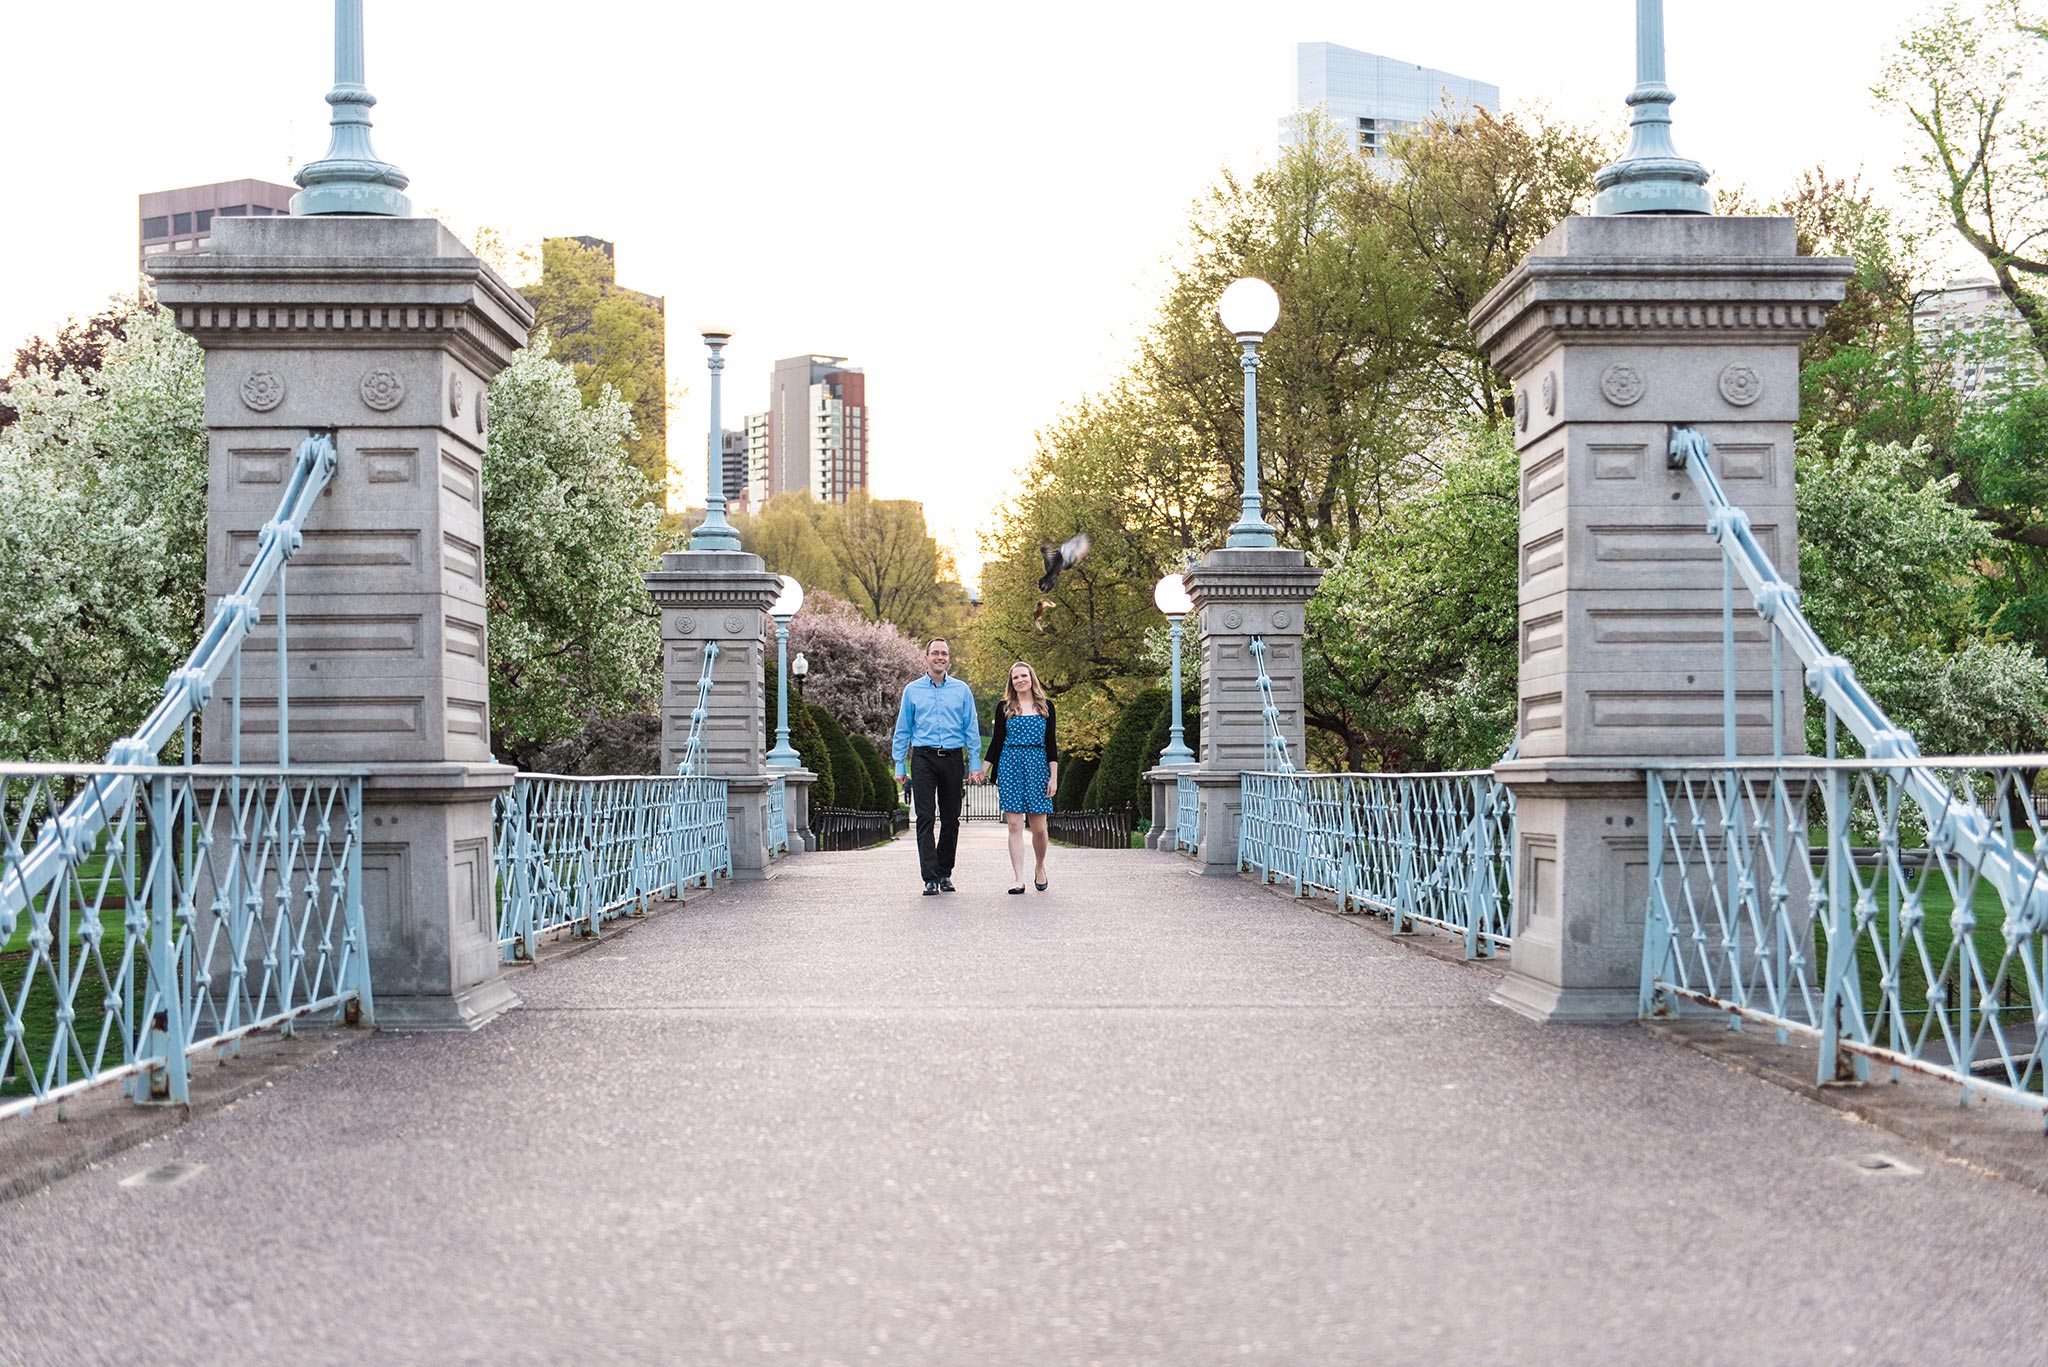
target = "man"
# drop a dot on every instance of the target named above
(936, 720)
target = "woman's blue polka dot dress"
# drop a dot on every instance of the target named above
(1021, 770)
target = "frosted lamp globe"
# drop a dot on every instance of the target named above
(789, 602)
(1170, 596)
(1249, 308)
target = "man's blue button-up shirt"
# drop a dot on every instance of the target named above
(941, 715)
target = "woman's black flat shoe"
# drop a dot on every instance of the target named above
(1039, 886)
(1019, 888)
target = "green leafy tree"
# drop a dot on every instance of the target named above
(1974, 88)
(1411, 660)
(610, 336)
(103, 545)
(1371, 388)
(568, 532)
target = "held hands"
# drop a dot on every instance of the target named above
(980, 775)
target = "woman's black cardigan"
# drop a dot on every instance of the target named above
(995, 743)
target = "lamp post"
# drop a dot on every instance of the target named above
(1650, 177)
(351, 178)
(1249, 308)
(786, 605)
(797, 669)
(1170, 596)
(714, 533)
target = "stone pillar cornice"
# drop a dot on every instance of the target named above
(713, 578)
(1711, 280)
(340, 283)
(1240, 573)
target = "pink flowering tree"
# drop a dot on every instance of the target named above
(857, 667)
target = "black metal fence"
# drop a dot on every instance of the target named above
(842, 828)
(1092, 830)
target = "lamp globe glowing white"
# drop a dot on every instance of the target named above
(789, 602)
(1249, 308)
(1170, 596)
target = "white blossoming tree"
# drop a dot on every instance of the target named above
(102, 540)
(569, 528)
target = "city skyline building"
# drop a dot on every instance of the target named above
(814, 434)
(181, 220)
(733, 457)
(1987, 333)
(1371, 98)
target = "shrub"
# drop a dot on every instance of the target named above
(1115, 784)
(849, 775)
(881, 781)
(813, 751)
(1075, 775)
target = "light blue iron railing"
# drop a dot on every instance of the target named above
(190, 687)
(1434, 849)
(1923, 874)
(201, 905)
(578, 852)
(778, 817)
(234, 892)
(1187, 811)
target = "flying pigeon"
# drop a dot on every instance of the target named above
(1061, 558)
(1038, 617)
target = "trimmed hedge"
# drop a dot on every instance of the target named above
(1076, 773)
(1162, 731)
(815, 754)
(881, 782)
(850, 780)
(1116, 784)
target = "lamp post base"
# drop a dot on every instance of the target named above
(784, 756)
(1175, 754)
(1254, 534)
(718, 535)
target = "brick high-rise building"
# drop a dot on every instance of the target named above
(814, 435)
(182, 220)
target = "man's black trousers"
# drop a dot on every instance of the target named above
(937, 782)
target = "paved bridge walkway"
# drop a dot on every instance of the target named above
(1143, 1118)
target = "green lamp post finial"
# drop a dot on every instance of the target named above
(350, 179)
(1650, 177)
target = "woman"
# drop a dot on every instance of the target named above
(1025, 757)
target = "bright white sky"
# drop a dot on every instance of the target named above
(971, 201)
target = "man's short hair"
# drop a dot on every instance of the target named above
(938, 641)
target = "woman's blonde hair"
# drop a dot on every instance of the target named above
(1010, 698)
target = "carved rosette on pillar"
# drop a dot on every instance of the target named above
(1240, 593)
(386, 331)
(1613, 330)
(724, 596)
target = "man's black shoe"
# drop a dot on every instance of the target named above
(931, 889)
(946, 885)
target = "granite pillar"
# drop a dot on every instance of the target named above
(1613, 330)
(1240, 593)
(722, 596)
(385, 331)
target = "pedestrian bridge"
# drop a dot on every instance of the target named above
(1143, 1117)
